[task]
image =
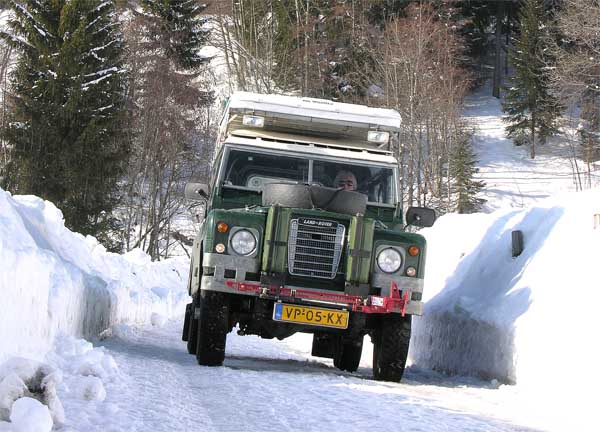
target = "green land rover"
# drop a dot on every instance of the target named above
(303, 232)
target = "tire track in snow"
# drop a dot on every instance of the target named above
(268, 386)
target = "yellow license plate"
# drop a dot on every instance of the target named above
(310, 315)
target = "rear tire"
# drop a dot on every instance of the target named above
(213, 326)
(186, 323)
(192, 336)
(347, 357)
(390, 347)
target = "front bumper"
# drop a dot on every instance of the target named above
(395, 297)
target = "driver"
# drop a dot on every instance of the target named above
(345, 180)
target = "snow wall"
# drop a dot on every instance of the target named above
(530, 320)
(54, 281)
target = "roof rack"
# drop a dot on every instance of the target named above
(355, 125)
(316, 142)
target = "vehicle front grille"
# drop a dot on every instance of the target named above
(315, 247)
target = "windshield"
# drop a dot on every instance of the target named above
(253, 170)
(375, 182)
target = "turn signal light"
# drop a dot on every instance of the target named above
(222, 227)
(413, 251)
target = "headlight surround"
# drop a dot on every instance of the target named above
(389, 260)
(243, 242)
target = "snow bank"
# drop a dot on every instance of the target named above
(28, 397)
(529, 320)
(55, 281)
(29, 390)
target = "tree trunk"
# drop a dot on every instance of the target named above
(532, 136)
(498, 59)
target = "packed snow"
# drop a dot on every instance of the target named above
(527, 320)
(276, 385)
(56, 281)
(31, 392)
(57, 284)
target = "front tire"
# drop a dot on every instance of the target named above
(213, 326)
(390, 347)
(348, 353)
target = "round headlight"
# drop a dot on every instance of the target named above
(389, 260)
(243, 242)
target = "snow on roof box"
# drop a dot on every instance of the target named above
(302, 110)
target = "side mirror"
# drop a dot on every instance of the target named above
(420, 216)
(196, 191)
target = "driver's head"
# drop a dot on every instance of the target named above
(346, 180)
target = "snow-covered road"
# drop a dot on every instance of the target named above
(274, 386)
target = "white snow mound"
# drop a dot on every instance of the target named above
(53, 280)
(30, 415)
(529, 320)
(23, 379)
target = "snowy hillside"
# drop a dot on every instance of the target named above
(471, 274)
(512, 178)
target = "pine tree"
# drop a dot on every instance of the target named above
(462, 170)
(69, 103)
(182, 27)
(529, 104)
(29, 130)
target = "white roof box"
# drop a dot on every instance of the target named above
(315, 111)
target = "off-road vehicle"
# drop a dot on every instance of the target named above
(303, 232)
